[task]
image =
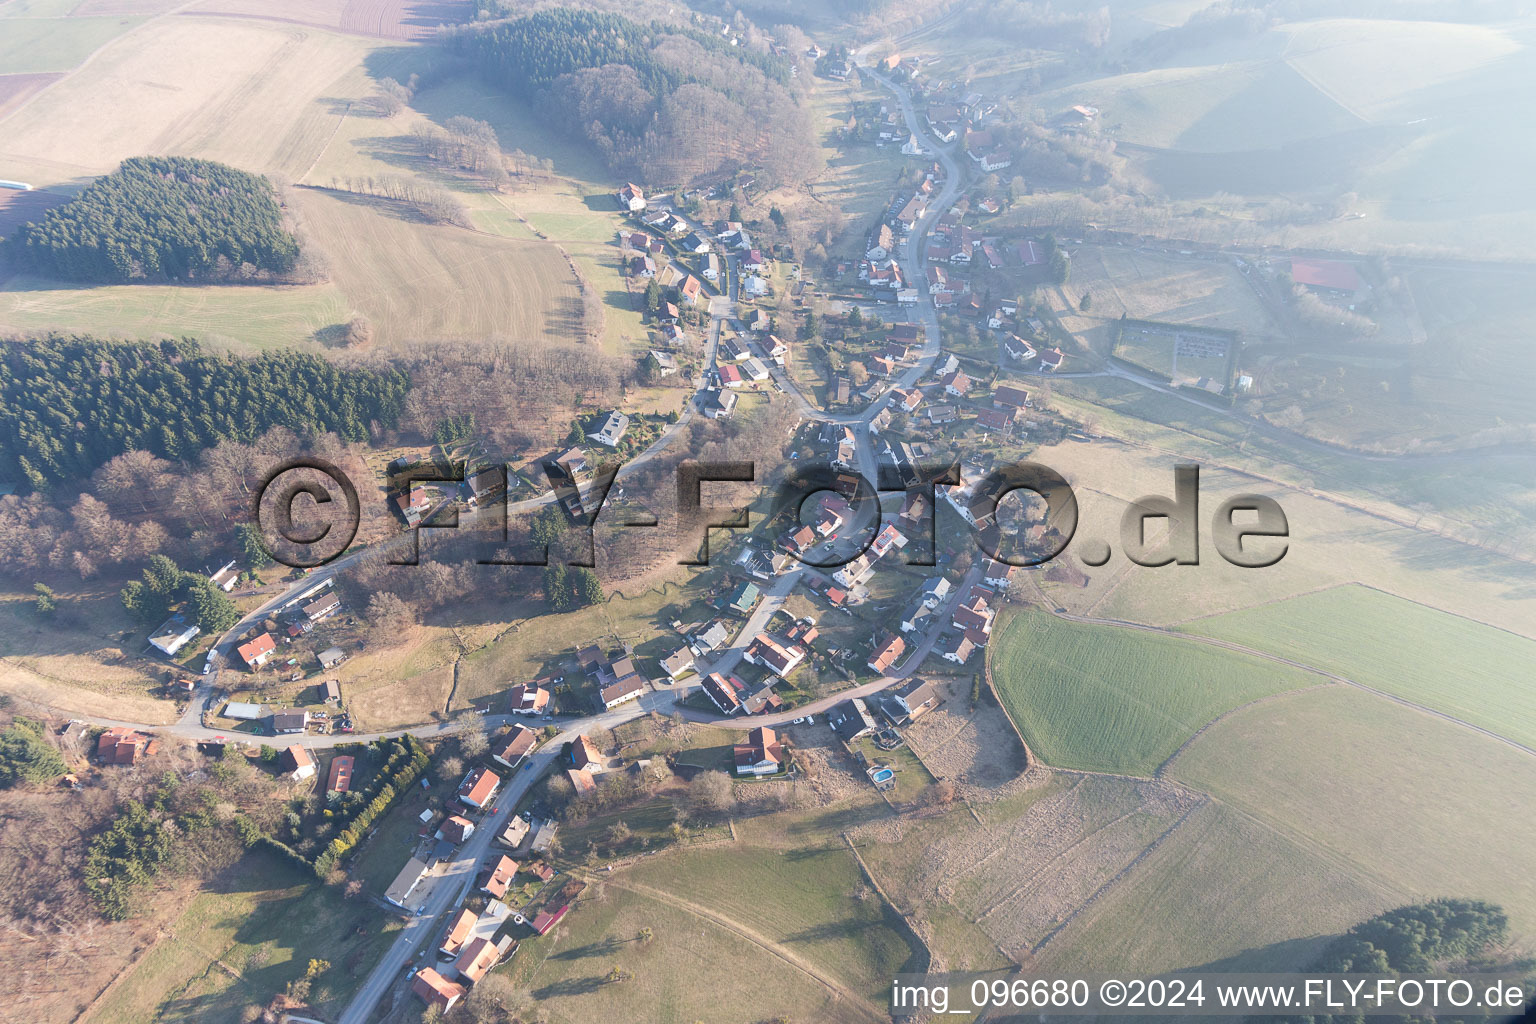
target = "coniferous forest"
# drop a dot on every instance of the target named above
(662, 103)
(161, 219)
(68, 405)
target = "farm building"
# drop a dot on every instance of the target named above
(243, 711)
(174, 634)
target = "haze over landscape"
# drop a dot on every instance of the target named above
(511, 509)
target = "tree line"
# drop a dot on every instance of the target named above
(161, 218)
(70, 404)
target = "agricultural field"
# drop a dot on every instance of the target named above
(1350, 520)
(1038, 854)
(1462, 668)
(260, 96)
(31, 45)
(1110, 699)
(1223, 892)
(428, 283)
(387, 19)
(693, 968)
(1409, 801)
(812, 902)
(1144, 286)
(244, 939)
(17, 89)
(242, 318)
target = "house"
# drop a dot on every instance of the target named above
(990, 254)
(855, 572)
(934, 592)
(124, 745)
(851, 719)
(721, 693)
(998, 574)
(456, 829)
(886, 654)
(956, 383)
(297, 762)
(834, 510)
(478, 787)
(290, 721)
(498, 877)
(744, 598)
(1009, 396)
(642, 266)
(516, 745)
(941, 414)
(996, 161)
(256, 653)
(691, 290)
(678, 664)
(174, 634)
(330, 658)
(916, 617)
(406, 881)
(573, 462)
(754, 262)
(718, 404)
(339, 779)
(776, 349)
(324, 608)
(412, 505)
(730, 376)
(995, 419)
(1050, 360)
(762, 754)
(763, 701)
(458, 931)
(754, 370)
(631, 198)
(479, 957)
(885, 539)
(916, 697)
(664, 362)
(955, 647)
(584, 754)
(714, 636)
(628, 687)
(226, 578)
(884, 243)
(612, 430)
(711, 267)
(1018, 349)
(778, 658)
(436, 990)
(528, 699)
(581, 780)
(906, 296)
(694, 243)
(907, 399)
(515, 832)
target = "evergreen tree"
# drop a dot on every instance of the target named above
(209, 606)
(25, 756)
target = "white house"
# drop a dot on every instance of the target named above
(631, 198)
(612, 430)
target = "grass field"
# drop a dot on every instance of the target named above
(29, 45)
(86, 668)
(1463, 668)
(1223, 890)
(421, 282)
(236, 317)
(262, 96)
(1118, 700)
(693, 969)
(1410, 801)
(811, 901)
(245, 939)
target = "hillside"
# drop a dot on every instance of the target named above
(658, 102)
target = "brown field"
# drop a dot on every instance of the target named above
(1143, 286)
(17, 89)
(260, 96)
(423, 282)
(1042, 851)
(387, 19)
(118, 8)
